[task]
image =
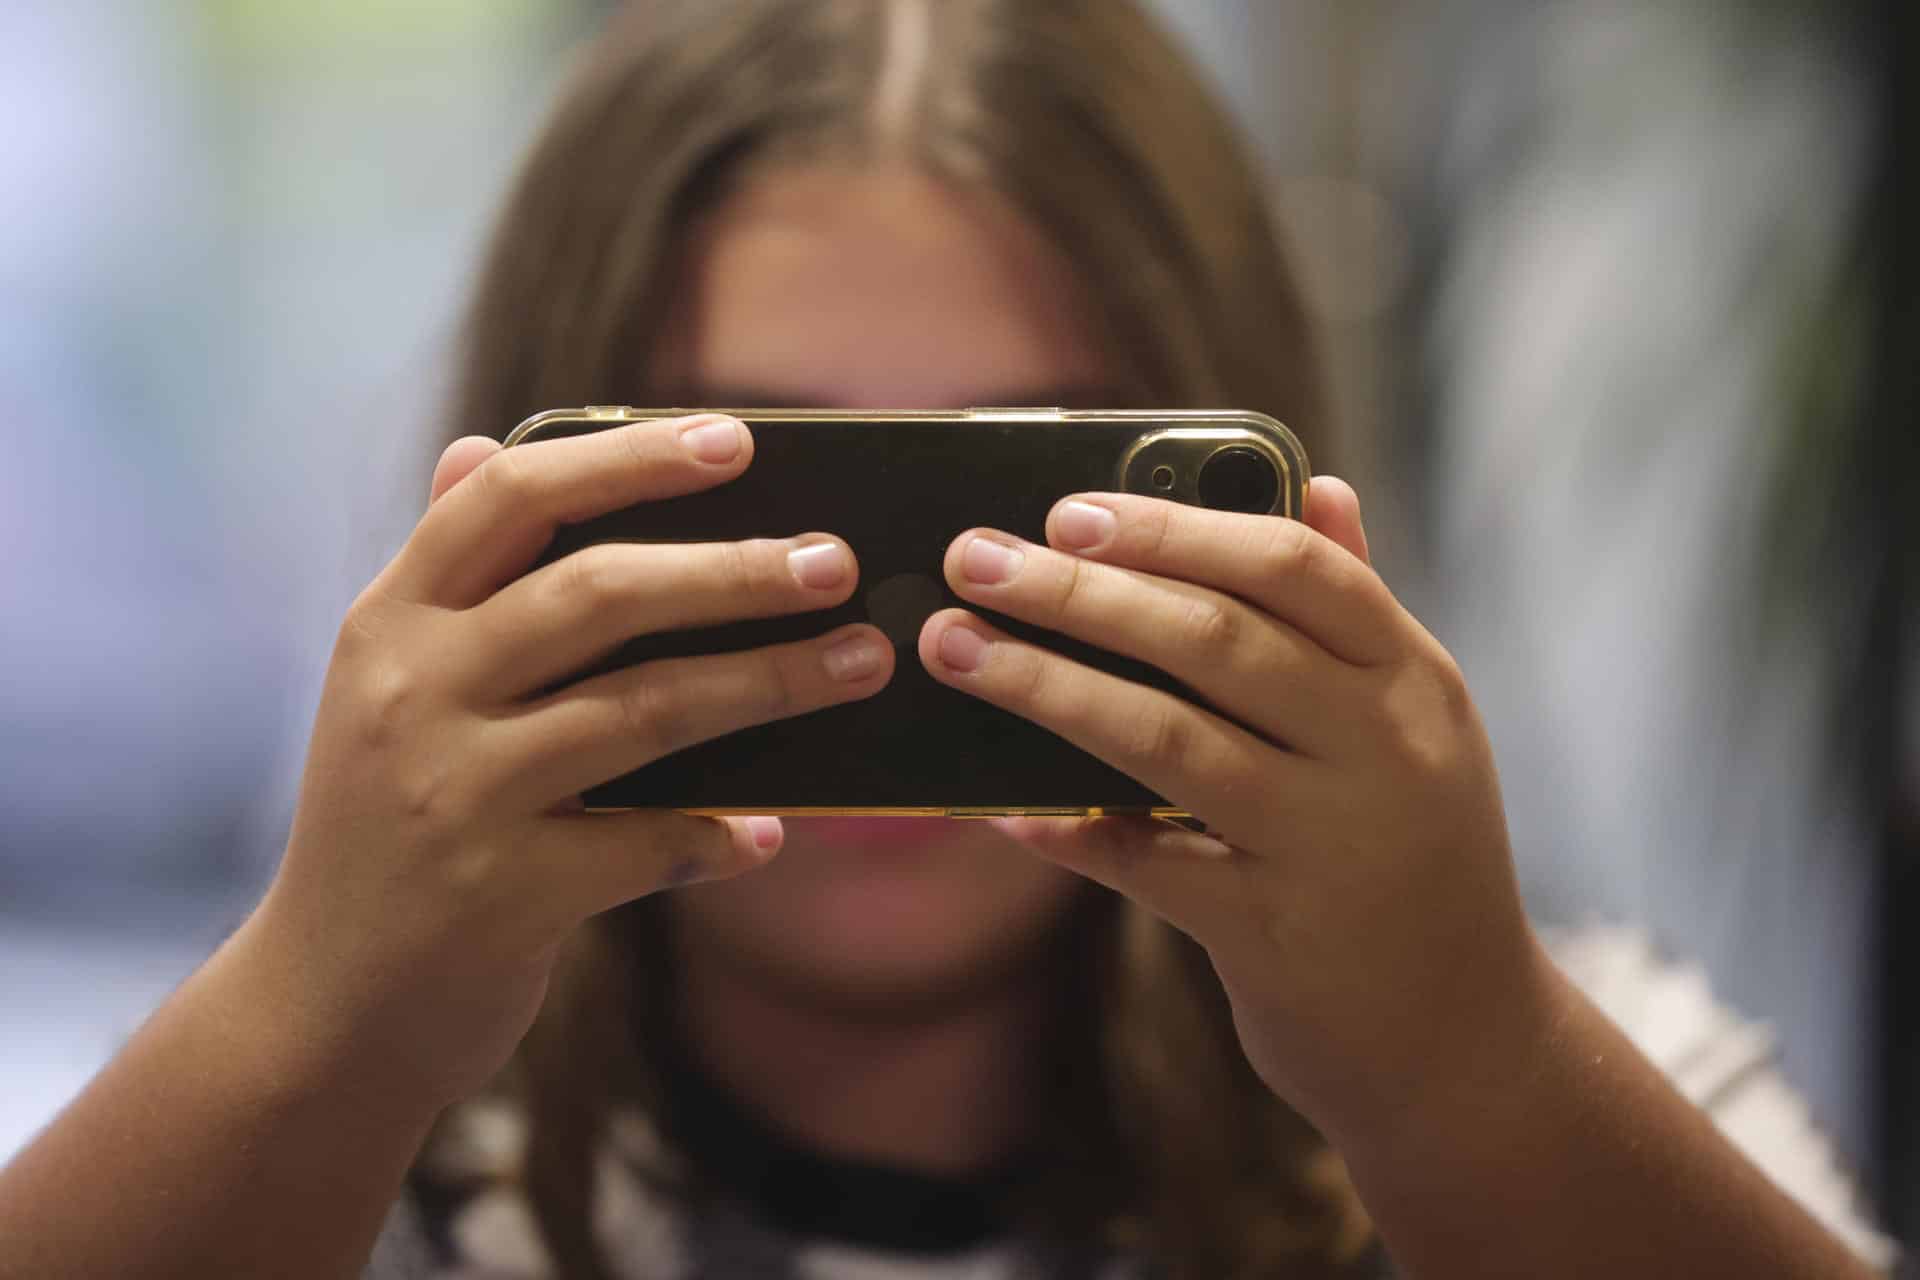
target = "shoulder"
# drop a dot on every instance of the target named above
(1724, 1063)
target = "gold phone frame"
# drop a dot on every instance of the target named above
(1257, 430)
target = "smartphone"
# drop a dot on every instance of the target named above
(899, 487)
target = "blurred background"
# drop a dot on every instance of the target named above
(1619, 303)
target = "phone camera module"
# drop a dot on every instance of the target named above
(1163, 477)
(1239, 478)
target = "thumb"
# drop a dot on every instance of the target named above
(1187, 878)
(459, 461)
(1333, 509)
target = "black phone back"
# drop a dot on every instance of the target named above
(898, 488)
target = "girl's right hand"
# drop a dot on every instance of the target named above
(438, 853)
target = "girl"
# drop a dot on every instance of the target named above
(897, 1047)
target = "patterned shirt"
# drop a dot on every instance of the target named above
(817, 1218)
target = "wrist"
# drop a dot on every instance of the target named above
(229, 1136)
(1480, 1075)
(309, 1041)
(1559, 1140)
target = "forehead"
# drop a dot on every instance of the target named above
(877, 289)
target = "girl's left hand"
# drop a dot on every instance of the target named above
(1354, 889)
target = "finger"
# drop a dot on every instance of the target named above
(562, 617)
(1211, 768)
(1189, 879)
(487, 530)
(1286, 568)
(458, 461)
(1254, 668)
(1333, 508)
(593, 862)
(599, 729)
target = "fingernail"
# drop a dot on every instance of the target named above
(986, 561)
(765, 832)
(855, 658)
(713, 440)
(1082, 525)
(822, 565)
(962, 648)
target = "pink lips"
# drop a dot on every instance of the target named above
(872, 833)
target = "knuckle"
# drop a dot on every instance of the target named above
(1073, 585)
(506, 479)
(637, 450)
(1211, 626)
(1154, 526)
(1450, 686)
(431, 796)
(1426, 754)
(776, 689)
(638, 445)
(1288, 550)
(1159, 736)
(1038, 688)
(1429, 717)
(594, 578)
(735, 571)
(1276, 921)
(651, 714)
(362, 629)
(389, 695)
(470, 867)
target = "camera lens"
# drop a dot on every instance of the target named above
(1238, 478)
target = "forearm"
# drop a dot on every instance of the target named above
(227, 1138)
(1563, 1151)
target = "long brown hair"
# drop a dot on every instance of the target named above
(1084, 117)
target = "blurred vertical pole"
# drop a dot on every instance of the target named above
(1891, 696)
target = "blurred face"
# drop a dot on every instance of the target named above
(878, 289)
